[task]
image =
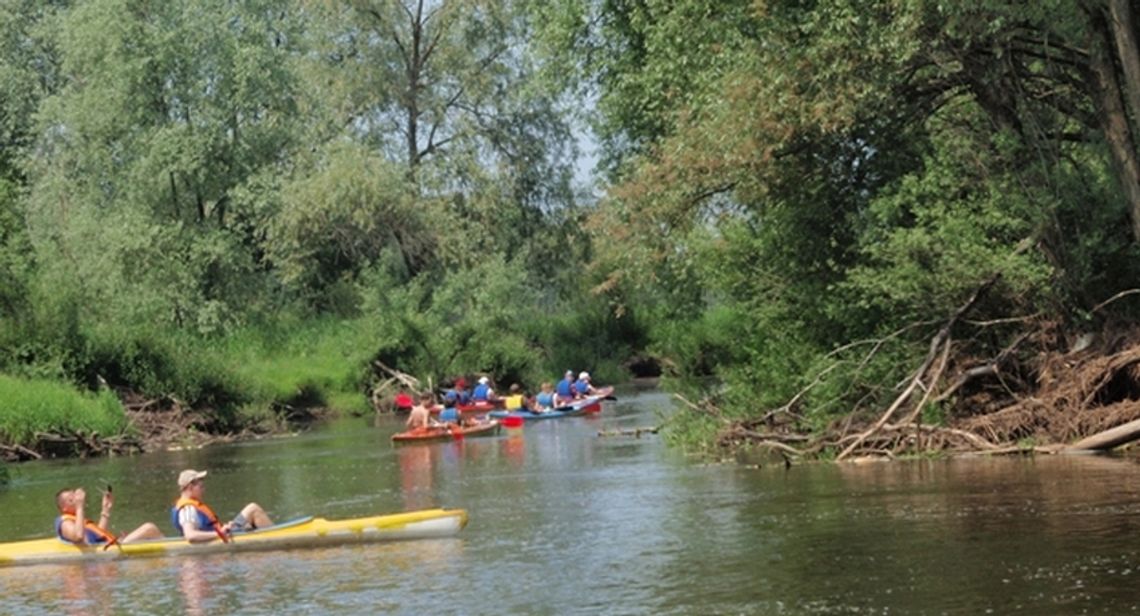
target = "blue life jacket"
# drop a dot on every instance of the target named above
(459, 396)
(582, 387)
(565, 388)
(545, 400)
(482, 392)
(449, 413)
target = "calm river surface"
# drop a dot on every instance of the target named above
(565, 522)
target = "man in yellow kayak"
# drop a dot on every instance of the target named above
(195, 520)
(68, 526)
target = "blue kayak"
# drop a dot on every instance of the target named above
(531, 415)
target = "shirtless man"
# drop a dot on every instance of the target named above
(420, 417)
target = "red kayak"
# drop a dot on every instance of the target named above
(594, 400)
(426, 435)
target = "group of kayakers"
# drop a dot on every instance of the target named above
(549, 397)
(191, 518)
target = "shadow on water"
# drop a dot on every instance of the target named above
(565, 522)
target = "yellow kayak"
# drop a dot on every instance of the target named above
(305, 532)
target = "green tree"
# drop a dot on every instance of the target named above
(166, 111)
(849, 169)
(445, 90)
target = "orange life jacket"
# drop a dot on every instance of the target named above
(88, 526)
(204, 512)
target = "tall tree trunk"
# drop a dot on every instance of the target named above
(1124, 30)
(1113, 116)
(414, 71)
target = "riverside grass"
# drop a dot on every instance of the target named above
(317, 364)
(28, 406)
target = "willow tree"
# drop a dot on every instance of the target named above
(164, 110)
(442, 89)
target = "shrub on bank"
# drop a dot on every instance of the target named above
(316, 363)
(239, 375)
(31, 406)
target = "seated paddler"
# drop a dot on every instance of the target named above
(72, 527)
(545, 399)
(420, 417)
(195, 520)
(483, 392)
(515, 400)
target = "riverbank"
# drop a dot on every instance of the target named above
(1045, 393)
(48, 419)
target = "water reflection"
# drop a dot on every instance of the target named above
(565, 522)
(195, 586)
(416, 476)
(513, 448)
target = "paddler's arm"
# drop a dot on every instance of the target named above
(72, 530)
(105, 513)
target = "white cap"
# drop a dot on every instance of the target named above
(189, 476)
(570, 373)
(584, 376)
(484, 380)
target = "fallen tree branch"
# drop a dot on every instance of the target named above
(990, 368)
(404, 378)
(707, 409)
(1108, 439)
(634, 432)
(1108, 301)
(788, 449)
(916, 381)
(19, 453)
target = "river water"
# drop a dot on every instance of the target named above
(563, 521)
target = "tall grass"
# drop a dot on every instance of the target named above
(243, 374)
(315, 363)
(29, 406)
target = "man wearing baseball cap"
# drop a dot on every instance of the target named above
(195, 520)
(483, 391)
(582, 386)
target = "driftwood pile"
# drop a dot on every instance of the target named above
(1043, 392)
(167, 423)
(74, 443)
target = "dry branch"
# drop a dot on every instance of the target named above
(634, 432)
(404, 378)
(1109, 439)
(939, 339)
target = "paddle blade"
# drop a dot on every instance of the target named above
(512, 421)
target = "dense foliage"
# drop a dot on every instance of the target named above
(247, 205)
(791, 178)
(243, 206)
